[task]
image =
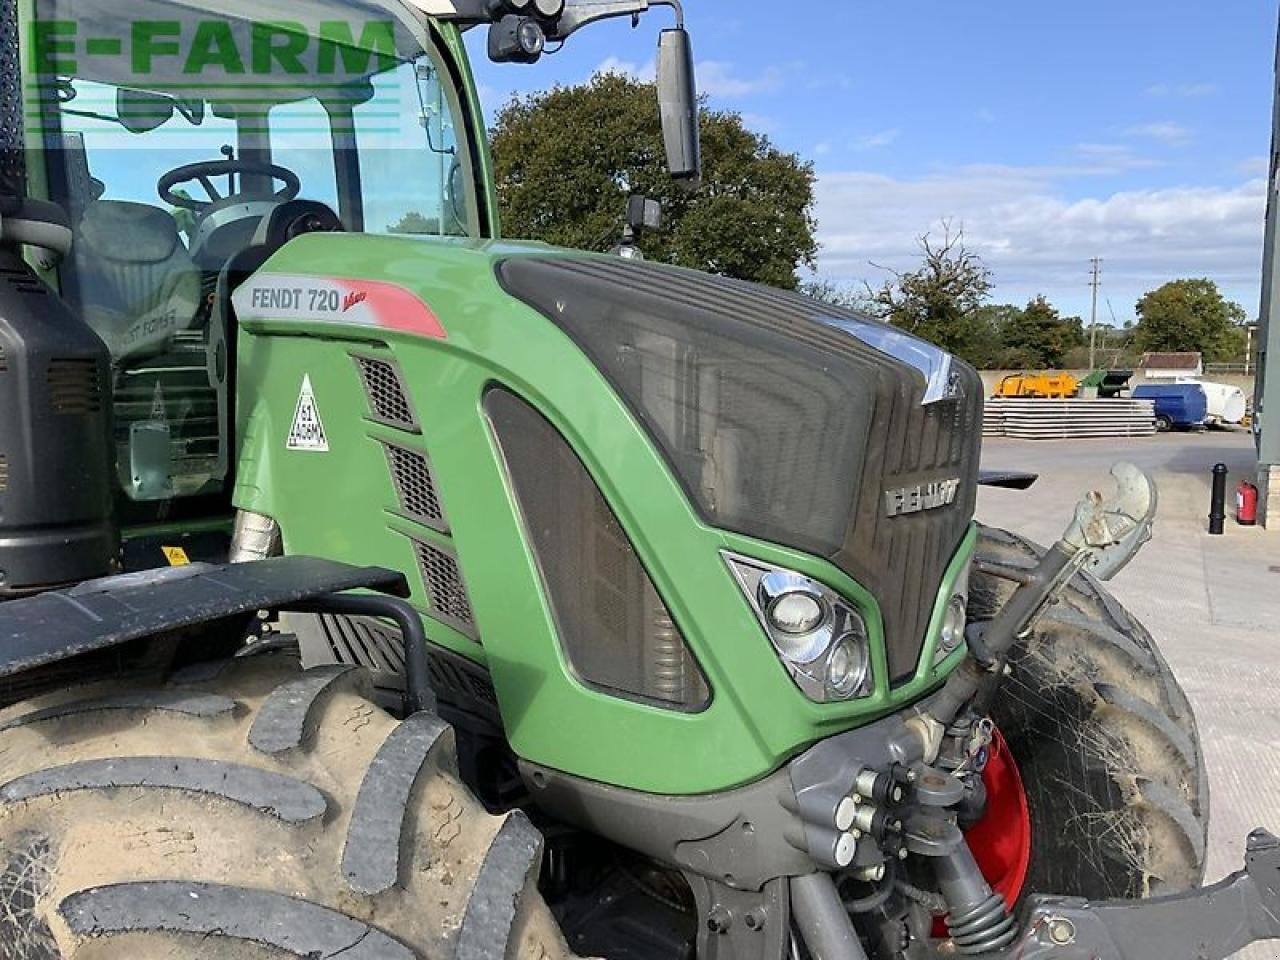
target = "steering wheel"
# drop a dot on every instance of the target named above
(204, 172)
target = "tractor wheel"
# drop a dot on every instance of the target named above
(253, 811)
(1102, 743)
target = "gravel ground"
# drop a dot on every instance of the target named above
(1213, 603)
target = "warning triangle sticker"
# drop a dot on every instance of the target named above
(307, 432)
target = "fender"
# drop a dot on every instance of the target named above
(98, 615)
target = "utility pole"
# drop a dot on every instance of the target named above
(1095, 282)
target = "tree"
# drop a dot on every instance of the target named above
(1189, 316)
(836, 294)
(566, 160)
(939, 302)
(1038, 336)
(415, 223)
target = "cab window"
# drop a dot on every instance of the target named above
(169, 176)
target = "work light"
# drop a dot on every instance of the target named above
(549, 9)
(820, 637)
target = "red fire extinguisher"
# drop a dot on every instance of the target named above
(1247, 504)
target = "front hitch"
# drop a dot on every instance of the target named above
(1211, 923)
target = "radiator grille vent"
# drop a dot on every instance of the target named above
(4, 473)
(24, 281)
(416, 486)
(4, 361)
(74, 387)
(460, 680)
(446, 593)
(387, 397)
(366, 642)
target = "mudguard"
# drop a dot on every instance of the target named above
(100, 614)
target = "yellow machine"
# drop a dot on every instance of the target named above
(1053, 386)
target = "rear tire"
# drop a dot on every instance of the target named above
(1104, 739)
(252, 811)
(1163, 424)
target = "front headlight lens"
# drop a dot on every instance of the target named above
(847, 667)
(818, 635)
(953, 625)
(793, 604)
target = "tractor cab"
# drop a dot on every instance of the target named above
(185, 146)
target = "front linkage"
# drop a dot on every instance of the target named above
(881, 811)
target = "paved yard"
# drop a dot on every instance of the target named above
(1212, 602)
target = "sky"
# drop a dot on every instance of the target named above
(1132, 130)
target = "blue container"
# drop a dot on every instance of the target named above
(1179, 406)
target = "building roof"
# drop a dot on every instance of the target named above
(1171, 361)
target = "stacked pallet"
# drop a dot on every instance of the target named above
(993, 418)
(1029, 419)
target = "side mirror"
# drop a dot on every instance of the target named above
(678, 100)
(142, 112)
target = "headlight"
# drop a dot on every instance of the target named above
(953, 624)
(848, 666)
(820, 638)
(792, 604)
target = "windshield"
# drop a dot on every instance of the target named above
(172, 134)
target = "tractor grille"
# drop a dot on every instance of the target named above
(446, 593)
(415, 486)
(366, 642)
(4, 473)
(782, 418)
(458, 679)
(24, 282)
(74, 387)
(387, 397)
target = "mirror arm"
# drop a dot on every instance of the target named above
(579, 13)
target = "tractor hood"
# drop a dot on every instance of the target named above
(786, 419)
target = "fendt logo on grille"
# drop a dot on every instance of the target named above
(921, 497)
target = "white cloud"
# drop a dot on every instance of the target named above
(1166, 131)
(878, 140)
(759, 122)
(1186, 91)
(1107, 158)
(717, 78)
(1035, 239)
(628, 68)
(1256, 167)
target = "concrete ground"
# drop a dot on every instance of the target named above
(1213, 603)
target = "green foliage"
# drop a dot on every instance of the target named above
(567, 159)
(415, 223)
(836, 294)
(1190, 315)
(1038, 337)
(940, 301)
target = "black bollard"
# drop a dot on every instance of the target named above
(1218, 502)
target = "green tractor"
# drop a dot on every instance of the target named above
(378, 588)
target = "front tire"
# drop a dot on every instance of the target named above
(1105, 742)
(253, 811)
